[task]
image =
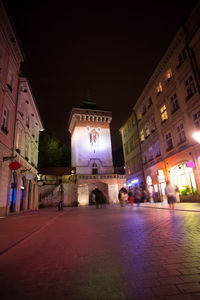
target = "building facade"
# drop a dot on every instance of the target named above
(91, 152)
(10, 60)
(24, 189)
(168, 114)
(18, 142)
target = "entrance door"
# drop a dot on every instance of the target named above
(22, 193)
(13, 193)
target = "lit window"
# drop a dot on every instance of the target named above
(169, 75)
(190, 87)
(142, 135)
(181, 133)
(147, 131)
(196, 118)
(150, 153)
(163, 111)
(174, 103)
(159, 88)
(169, 142)
(5, 120)
(157, 148)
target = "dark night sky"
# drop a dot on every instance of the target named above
(109, 50)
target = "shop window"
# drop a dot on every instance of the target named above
(169, 75)
(157, 148)
(150, 153)
(174, 103)
(142, 135)
(5, 120)
(196, 119)
(190, 87)
(181, 133)
(163, 112)
(159, 88)
(169, 141)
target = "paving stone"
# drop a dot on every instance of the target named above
(85, 254)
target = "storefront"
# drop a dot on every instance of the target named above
(182, 176)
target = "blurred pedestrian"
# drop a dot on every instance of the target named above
(137, 195)
(171, 194)
(130, 197)
(122, 198)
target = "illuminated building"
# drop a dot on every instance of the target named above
(91, 152)
(20, 123)
(168, 113)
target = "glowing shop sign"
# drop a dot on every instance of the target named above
(161, 176)
(149, 180)
(190, 164)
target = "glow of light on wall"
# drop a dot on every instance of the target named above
(134, 181)
(125, 184)
(156, 188)
(196, 136)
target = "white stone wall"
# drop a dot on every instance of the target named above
(84, 154)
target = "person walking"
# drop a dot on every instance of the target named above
(130, 198)
(171, 194)
(137, 195)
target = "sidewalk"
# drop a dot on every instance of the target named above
(195, 207)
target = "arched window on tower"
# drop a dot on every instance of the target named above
(94, 169)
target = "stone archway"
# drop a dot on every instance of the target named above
(96, 196)
(98, 191)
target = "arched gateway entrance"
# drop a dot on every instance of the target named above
(97, 196)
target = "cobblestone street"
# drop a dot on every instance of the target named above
(109, 253)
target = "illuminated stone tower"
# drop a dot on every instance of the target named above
(91, 152)
(90, 139)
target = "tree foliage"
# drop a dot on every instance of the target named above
(52, 152)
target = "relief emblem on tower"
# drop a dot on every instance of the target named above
(94, 137)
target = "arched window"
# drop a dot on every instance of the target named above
(94, 169)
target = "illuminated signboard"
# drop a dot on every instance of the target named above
(190, 164)
(161, 176)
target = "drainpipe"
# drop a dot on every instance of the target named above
(140, 148)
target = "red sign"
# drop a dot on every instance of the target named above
(190, 164)
(14, 165)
